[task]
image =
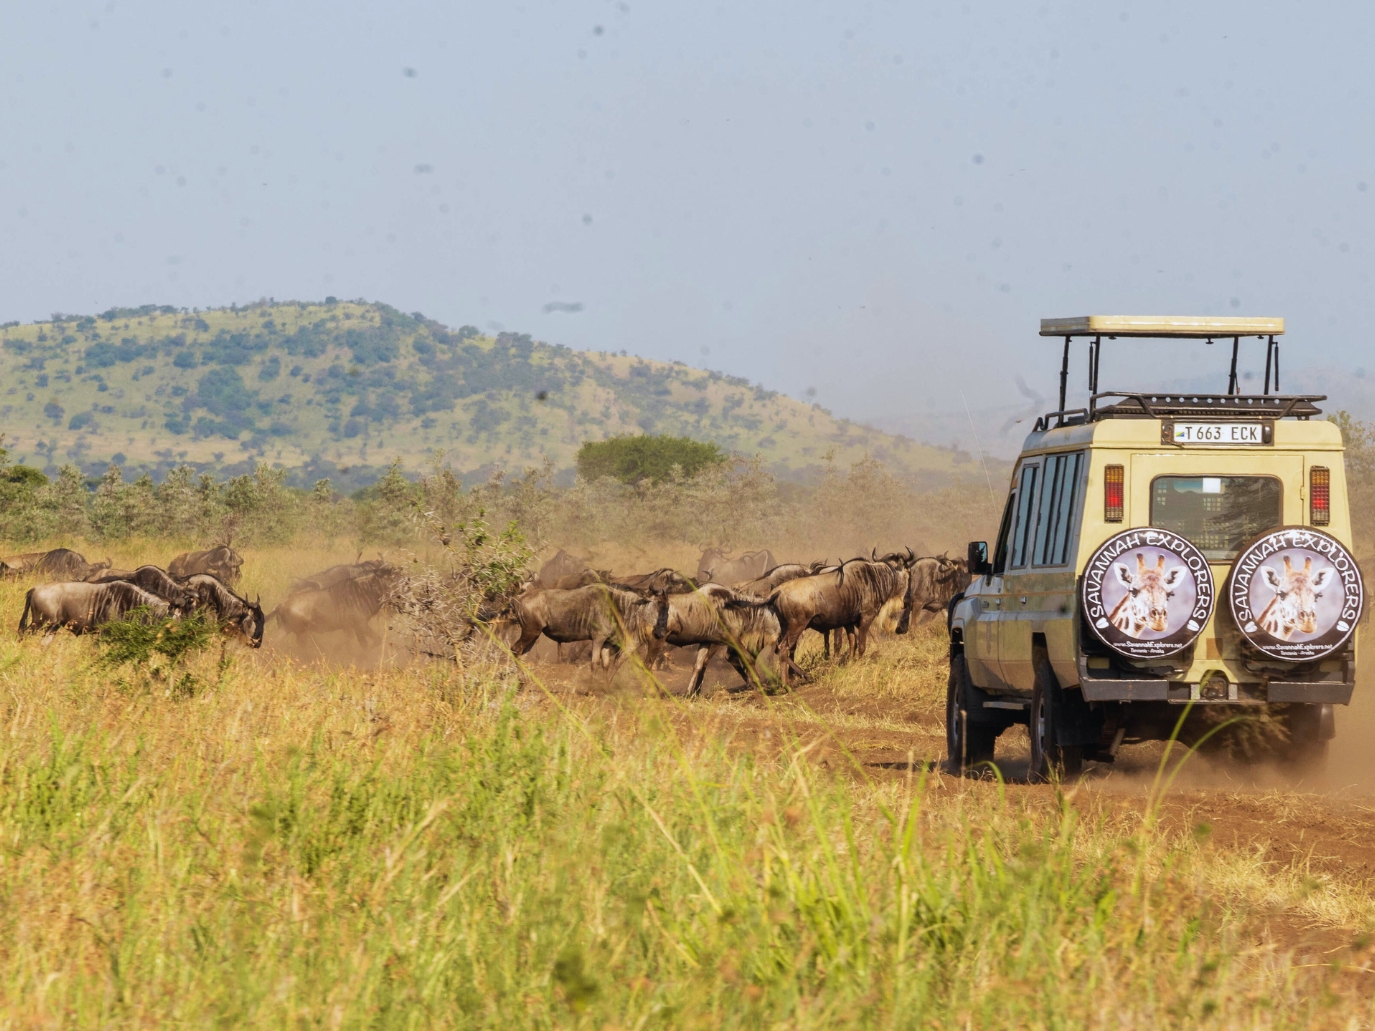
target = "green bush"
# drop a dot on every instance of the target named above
(647, 457)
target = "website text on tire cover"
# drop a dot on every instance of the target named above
(1157, 550)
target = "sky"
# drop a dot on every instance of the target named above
(866, 205)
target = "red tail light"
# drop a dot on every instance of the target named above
(1113, 479)
(1319, 496)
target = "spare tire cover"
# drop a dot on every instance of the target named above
(1296, 594)
(1147, 593)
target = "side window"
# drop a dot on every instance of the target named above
(1057, 510)
(1004, 534)
(1023, 521)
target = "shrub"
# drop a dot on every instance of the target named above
(646, 457)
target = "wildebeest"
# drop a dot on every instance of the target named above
(1145, 606)
(338, 574)
(232, 612)
(607, 616)
(937, 579)
(83, 607)
(763, 586)
(58, 564)
(1294, 607)
(560, 567)
(668, 580)
(157, 582)
(715, 567)
(347, 604)
(706, 619)
(851, 597)
(222, 562)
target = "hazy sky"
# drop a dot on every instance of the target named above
(875, 201)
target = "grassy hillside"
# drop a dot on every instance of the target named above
(341, 388)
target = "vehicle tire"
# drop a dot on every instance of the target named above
(1049, 760)
(967, 743)
(1306, 750)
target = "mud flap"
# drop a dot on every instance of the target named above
(1076, 722)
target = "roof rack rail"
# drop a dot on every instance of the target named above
(1137, 405)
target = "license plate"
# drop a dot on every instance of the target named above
(1218, 433)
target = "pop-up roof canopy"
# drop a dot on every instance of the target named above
(1192, 326)
(1132, 404)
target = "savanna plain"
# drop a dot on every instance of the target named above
(313, 837)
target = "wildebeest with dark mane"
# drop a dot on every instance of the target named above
(706, 619)
(610, 617)
(346, 604)
(157, 582)
(223, 563)
(715, 567)
(851, 597)
(83, 607)
(58, 564)
(231, 611)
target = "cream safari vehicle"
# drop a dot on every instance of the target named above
(1158, 550)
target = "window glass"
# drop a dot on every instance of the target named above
(1067, 511)
(1026, 509)
(1217, 513)
(1004, 535)
(1055, 527)
(1045, 508)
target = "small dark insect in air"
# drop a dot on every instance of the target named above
(409, 73)
(543, 395)
(597, 30)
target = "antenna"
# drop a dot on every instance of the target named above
(987, 479)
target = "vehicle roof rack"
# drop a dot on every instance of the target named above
(1189, 327)
(1140, 405)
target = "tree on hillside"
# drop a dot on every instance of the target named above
(646, 457)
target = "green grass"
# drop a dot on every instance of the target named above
(302, 846)
(348, 385)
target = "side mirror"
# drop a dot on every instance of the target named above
(978, 559)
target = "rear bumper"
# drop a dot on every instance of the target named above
(1150, 689)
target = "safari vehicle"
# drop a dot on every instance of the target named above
(1158, 550)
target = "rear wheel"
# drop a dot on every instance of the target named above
(1309, 729)
(1048, 758)
(967, 743)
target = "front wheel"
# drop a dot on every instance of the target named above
(967, 743)
(1049, 759)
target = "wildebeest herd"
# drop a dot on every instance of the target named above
(81, 596)
(750, 607)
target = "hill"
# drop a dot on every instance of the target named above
(339, 389)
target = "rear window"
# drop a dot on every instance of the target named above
(1217, 513)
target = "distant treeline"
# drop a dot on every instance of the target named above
(727, 502)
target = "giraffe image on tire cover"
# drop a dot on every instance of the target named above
(1296, 594)
(1147, 593)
